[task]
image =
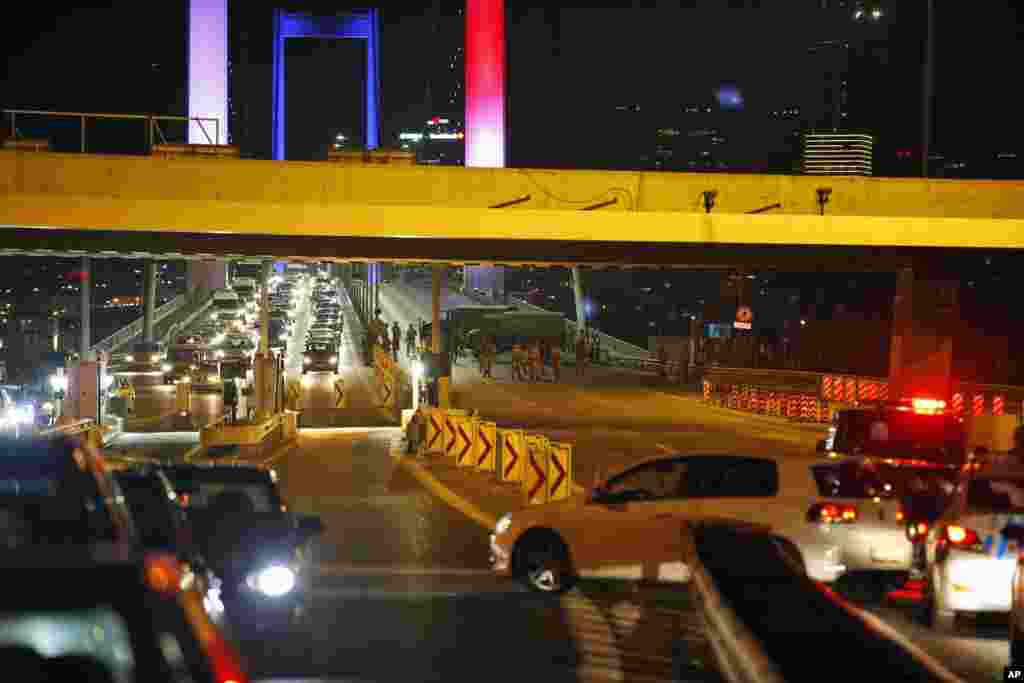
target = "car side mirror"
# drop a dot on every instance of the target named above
(310, 525)
(1014, 533)
(821, 446)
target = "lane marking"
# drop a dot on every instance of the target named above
(467, 508)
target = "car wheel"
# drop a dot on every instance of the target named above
(940, 619)
(542, 563)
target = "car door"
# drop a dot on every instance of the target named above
(732, 488)
(627, 531)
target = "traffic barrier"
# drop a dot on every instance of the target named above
(997, 405)
(450, 434)
(734, 397)
(979, 404)
(706, 386)
(837, 388)
(792, 406)
(465, 440)
(863, 391)
(851, 389)
(826, 387)
(486, 451)
(535, 471)
(957, 404)
(434, 442)
(883, 391)
(513, 454)
(559, 470)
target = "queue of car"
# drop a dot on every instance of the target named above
(895, 495)
(141, 566)
(324, 336)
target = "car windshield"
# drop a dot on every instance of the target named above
(318, 348)
(182, 355)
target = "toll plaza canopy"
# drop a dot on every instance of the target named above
(53, 204)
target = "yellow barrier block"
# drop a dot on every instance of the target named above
(450, 434)
(513, 454)
(465, 441)
(559, 470)
(485, 454)
(183, 396)
(434, 441)
(535, 470)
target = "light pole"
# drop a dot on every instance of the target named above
(926, 103)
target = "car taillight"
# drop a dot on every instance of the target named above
(917, 531)
(831, 513)
(961, 537)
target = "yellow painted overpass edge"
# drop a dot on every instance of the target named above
(193, 452)
(443, 492)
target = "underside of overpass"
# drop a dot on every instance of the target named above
(100, 205)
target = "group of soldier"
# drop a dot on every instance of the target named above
(390, 337)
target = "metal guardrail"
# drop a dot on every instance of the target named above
(740, 655)
(758, 602)
(134, 328)
(183, 324)
(154, 132)
(610, 346)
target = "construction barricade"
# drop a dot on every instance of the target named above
(512, 454)
(434, 440)
(979, 404)
(486, 452)
(559, 470)
(535, 470)
(465, 440)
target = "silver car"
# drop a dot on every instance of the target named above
(970, 558)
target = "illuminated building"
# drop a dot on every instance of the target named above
(838, 154)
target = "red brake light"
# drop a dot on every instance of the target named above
(928, 406)
(163, 574)
(917, 531)
(962, 537)
(830, 513)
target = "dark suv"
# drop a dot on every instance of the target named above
(247, 536)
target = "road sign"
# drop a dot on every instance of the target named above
(744, 318)
(466, 432)
(535, 471)
(435, 431)
(513, 452)
(486, 446)
(451, 436)
(559, 470)
(385, 388)
(339, 393)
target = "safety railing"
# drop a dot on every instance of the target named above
(610, 346)
(740, 655)
(757, 601)
(153, 125)
(134, 329)
(814, 395)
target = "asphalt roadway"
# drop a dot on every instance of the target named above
(400, 581)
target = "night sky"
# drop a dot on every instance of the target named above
(129, 56)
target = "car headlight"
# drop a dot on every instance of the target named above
(306, 360)
(503, 525)
(129, 359)
(219, 354)
(166, 367)
(156, 358)
(334, 359)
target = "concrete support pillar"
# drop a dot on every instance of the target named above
(263, 370)
(437, 293)
(149, 278)
(86, 309)
(926, 320)
(577, 294)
